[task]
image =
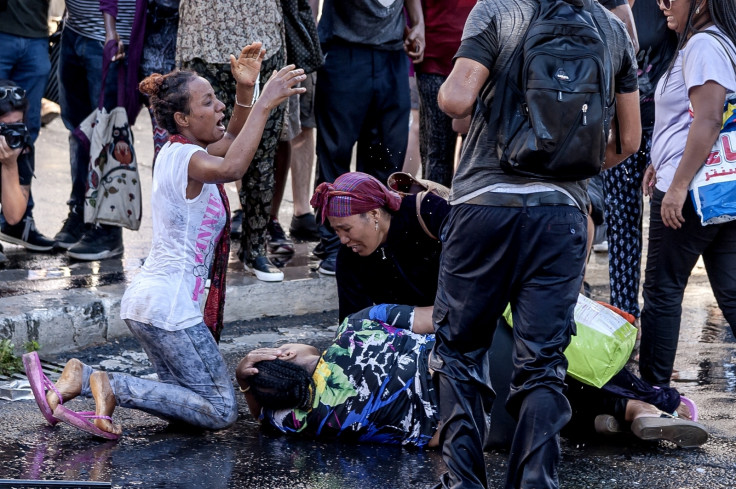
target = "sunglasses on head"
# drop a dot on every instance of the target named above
(16, 93)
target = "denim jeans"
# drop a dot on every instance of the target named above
(194, 386)
(80, 82)
(25, 61)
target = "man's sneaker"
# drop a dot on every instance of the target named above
(98, 243)
(236, 224)
(328, 265)
(278, 242)
(304, 227)
(601, 247)
(26, 235)
(3, 258)
(264, 270)
(72, 230)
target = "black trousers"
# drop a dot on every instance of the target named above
(362, 97)
(671, 257)
(533, 258)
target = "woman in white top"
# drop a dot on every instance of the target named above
(689, 102)
(162, 306)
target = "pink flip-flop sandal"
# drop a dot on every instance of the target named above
(691, 405)
(81, 420)
(39, 385)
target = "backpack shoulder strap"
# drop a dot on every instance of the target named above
(420, 197)
(502, 81)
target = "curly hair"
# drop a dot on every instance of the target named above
(282, 385)
(169, 94)
(10, 104)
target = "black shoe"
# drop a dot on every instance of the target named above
(319, 251)
(26, 235)
(304, 227)
(278, 242)
(328, 265)
(3, 258)
(98, 243)
(264, 270)
(72, 230)
(236, 224)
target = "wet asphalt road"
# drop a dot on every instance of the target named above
(152, 454)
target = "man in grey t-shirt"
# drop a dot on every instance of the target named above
(512, 239)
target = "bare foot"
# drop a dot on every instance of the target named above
(69, 384)
(99, 383)
(684, 412)
(639, 409)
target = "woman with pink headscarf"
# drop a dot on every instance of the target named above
(386, 256)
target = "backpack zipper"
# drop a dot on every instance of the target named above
(585, 114)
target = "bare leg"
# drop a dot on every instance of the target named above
(302, 167)
(99, 383)
(413, 160)
(69, 384)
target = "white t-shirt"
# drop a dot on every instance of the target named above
(702, 59)
(170, 289)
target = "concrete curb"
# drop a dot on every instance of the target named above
(67, 320)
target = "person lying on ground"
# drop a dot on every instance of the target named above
(373, 384)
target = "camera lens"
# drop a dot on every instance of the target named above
(16, 135)
(14, 140)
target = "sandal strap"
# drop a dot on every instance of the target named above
(50, 385)
(92, 415)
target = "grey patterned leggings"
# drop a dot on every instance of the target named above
(194, 386)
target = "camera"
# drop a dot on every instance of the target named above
(16, 134)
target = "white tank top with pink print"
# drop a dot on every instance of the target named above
(169, 291)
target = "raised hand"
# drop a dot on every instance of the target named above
(281, 85)
(246, 67)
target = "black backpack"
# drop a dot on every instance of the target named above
(554, 105)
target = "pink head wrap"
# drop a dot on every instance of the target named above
(353, 193)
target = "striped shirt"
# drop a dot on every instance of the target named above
(84, 18)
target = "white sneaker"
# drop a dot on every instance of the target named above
(601, 247)
(264, 270)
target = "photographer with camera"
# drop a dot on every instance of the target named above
(15, 151)
(24, 59)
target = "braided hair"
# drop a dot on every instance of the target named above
(282, 385)
(169, 94)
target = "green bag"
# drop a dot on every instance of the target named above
(602, 345)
